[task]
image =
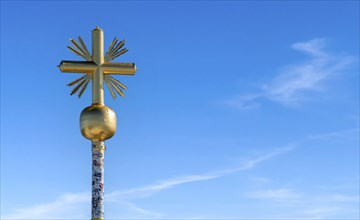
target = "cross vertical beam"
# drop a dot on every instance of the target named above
(98, 58)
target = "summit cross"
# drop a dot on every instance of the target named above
(97, 67)
(98, 121)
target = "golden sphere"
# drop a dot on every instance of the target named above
(98, 122)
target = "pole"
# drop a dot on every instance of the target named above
(98, 147)
(97, 200)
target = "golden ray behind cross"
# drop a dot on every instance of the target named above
(98, 67)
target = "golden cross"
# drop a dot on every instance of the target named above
(98, 67)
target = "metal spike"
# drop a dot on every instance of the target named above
(83, 45)
(77, 80)
(84, 87)
(109, 52)
(77, 45)
(77, 49)
(115, 49)
(118, 82)
(118, 90)
(112, 45)
(83, 52)
(77, 87)
(77, 52)
(110, 88)
(119, 53)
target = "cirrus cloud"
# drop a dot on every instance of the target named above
(293, 84)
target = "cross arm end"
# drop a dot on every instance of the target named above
(119, 68)
(68, 66)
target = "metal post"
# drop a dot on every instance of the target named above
(97, 200)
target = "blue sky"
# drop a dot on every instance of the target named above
(238, 110)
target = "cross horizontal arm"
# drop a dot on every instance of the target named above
(119, 68)
(89, 67)
(68, 66)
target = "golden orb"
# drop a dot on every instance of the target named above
(98, 122)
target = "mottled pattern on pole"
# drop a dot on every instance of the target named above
(97, 202)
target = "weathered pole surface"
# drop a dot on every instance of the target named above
(97, 121)
(97, 198)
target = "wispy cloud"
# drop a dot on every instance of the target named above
(149, 190)
(290, 85)
(308, 205)
(293, 84)
(260, 180)
(69, 206)
(66, 206)
(129, 210)
(348, 135)
(245, 102)
(278, 195)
